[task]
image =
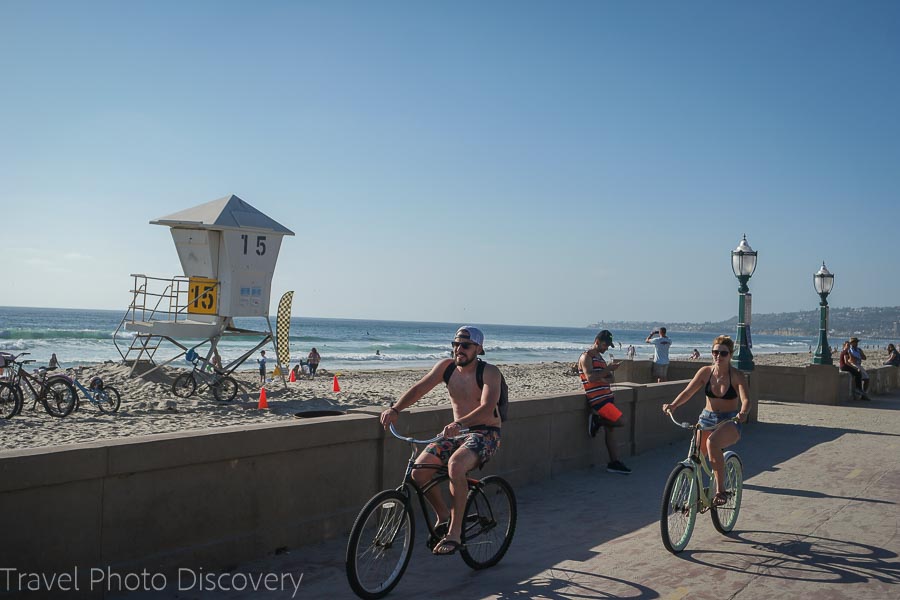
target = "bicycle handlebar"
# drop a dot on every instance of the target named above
(685, 425)
(415, 441)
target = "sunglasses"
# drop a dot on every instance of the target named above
(465, 345)
(718, 353)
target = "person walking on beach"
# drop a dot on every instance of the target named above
(629, 354)
(660, 368)
(262, 367)
(312, 361)
(474, 408)
(726, 398)
(596, 378)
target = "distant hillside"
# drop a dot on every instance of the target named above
(872, 322)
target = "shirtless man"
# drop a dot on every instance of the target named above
(474, 409)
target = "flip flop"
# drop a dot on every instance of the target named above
(440, 530)
(720, 499)
(449, 546)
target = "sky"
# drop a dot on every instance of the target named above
(531, 163)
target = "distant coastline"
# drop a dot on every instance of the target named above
(865, 322)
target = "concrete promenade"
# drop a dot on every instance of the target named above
(819, 519)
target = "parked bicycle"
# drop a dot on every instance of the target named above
(105, 397)
(55, 392)
(383, 534)
(224, 387)
(690, 489)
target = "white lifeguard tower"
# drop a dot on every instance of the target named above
(228, 250)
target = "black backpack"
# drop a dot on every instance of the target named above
(502, 403)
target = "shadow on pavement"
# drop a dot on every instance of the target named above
(802, 557)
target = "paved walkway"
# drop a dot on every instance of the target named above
(819, 519)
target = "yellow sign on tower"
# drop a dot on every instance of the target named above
(203, 296)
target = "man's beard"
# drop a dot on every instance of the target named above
(464, 362)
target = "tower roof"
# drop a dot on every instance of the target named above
(229, 212)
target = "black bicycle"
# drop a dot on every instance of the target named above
(382, 537)
(55, 392)
(223, 386)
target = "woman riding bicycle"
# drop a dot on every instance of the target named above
(726, 398)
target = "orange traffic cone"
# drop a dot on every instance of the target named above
(336, 386)
(293, 377)
(262, 399)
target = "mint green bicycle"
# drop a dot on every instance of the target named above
(690, 489)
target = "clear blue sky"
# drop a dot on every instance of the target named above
(554, 163)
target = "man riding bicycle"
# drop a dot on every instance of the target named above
(475, 409)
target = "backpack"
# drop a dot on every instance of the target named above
(502, 403)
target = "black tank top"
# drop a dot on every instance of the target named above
(730, 393)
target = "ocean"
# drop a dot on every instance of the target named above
(85, 337)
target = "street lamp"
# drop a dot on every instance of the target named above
(743, 263)
(823, 281)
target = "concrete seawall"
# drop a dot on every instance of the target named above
(214, 498)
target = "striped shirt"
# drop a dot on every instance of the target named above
(598, 392)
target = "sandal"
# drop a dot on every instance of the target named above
(440, 531)
(720, 499)
(446, 547)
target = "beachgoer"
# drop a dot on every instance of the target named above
(297, 371)
(216, 360)
(313, 361)
(474, 409)
(846, 365)
(695, 355)
(893, 357)
(726, 398)
(262, 367)
(596, 377)
(856, 357)
(630, 352)
(54, 363)
(660, 368)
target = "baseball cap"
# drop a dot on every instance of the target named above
(467, 333)
(854, 339)
(604, 336)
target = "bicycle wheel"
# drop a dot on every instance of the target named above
(184, 385)
(225, 389)
(380, 545)
(59, 397)
(490, 523)
(724, 517)
(108, 399)
(10, 401)
(679, 509)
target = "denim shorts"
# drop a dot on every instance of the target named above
(709, 419)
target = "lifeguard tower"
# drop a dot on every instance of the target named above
(228, 250)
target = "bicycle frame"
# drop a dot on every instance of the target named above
(19, 374)
(698, 462)
(441, 475)
(88, 393)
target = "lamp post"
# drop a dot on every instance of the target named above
(823, 281)
(743, 263)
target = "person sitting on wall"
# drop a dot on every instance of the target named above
(846, 365)
(893, 357)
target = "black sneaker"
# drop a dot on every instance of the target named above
(593, 424)
(616, 466)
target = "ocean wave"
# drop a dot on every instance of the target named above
(13, 345)
(61, 334)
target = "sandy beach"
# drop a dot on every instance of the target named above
(149, 407)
